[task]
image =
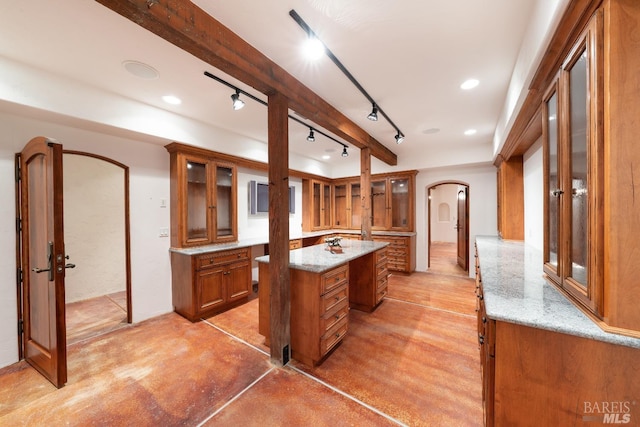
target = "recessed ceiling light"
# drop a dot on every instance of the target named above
(430, 131)
(326, 157)
(469, 84)
(470, 132)
(140, 69)
(173, 100)
(313, 48)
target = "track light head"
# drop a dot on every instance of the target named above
(399, 138)
(311, 137)
(373, 115)
(237, 102)
(344, 152)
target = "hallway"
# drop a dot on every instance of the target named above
(414, 361)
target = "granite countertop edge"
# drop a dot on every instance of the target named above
(515, 291)
(317, 259)
(247, 242)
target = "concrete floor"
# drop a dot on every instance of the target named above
(414, 361)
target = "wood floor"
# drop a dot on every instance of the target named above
(443, 259)
(414, 361)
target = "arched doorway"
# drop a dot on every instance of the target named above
(448, 228)
(96, 224)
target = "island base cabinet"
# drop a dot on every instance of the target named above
(319, 311)
(210, 283)
(368, 281)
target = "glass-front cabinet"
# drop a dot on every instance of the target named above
(379, 205)
(340, 206)
(316, 201)
(205, 202)
(400, 203)
(356, 205)
(573, 150)
(392, 202)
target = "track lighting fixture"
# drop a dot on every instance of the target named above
(311, 137)
(237, 102)
(376, 108)
(373, 115)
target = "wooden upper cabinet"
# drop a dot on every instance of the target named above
(573, 150)
(338, 203)
(204, 200)
(316, 202)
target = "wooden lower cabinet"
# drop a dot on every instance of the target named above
(364, 272)
(319, 311)
(401, 253)
(536, 377)
(209, 283)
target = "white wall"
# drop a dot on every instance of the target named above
(533, 196)
(481, 180)
(443, 229)
(542, 24)
(256, 226)
(149, 183)
(94, 227)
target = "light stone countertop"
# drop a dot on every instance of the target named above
(516, 292)
(317, 259)
(243, 243)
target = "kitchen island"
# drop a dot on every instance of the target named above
(324, 285)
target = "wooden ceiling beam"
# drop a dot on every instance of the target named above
(188, 27)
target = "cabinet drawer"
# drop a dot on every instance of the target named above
(334, 278)
(381, 292)
(216, 258)
(333, 336)
(332, 299)
(381, 270)
(334, 316)
(295, 244)
(381, 256)
(381, 282)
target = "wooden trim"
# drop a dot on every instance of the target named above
(19, 283)
(190, 28)
(574, 20)
(365, 194)
(280, 295)
(127, 221)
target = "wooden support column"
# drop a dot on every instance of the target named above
(280, 289)
(365, 193)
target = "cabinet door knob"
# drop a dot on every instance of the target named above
(557, 192)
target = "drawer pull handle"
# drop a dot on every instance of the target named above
(337, 335)
(337, 298)
(337, 316)
(481, 339)
(337, 279)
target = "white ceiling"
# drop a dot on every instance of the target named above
(410, 55)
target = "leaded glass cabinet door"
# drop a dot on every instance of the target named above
(553, 192)
(379, 204)
(198, 222)
(356, 205)
(582, 151)
(340, 209)
(400, 204)
(225, 212)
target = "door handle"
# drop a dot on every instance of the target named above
(69, 265)
(48, 269)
